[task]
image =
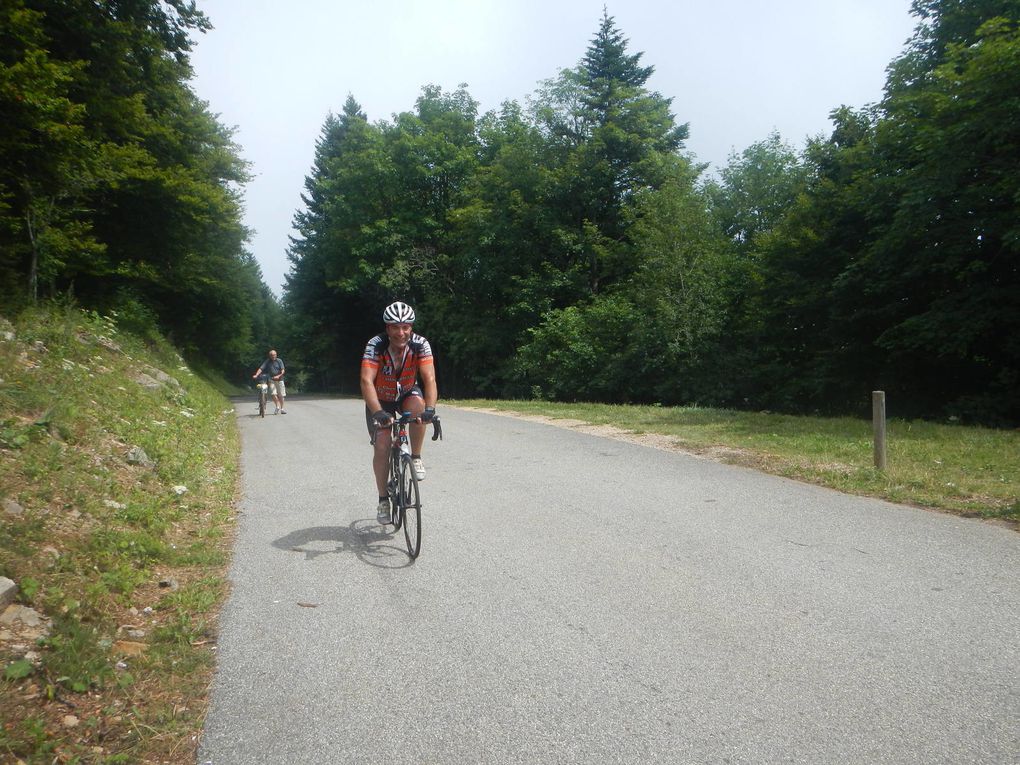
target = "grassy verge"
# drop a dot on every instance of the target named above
(964, 470)
(122, 554)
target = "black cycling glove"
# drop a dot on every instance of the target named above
(382, 418)
(428, 414)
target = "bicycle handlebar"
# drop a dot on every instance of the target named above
(404, 419)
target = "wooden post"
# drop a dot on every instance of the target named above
(878, 425)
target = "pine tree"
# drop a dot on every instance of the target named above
(613, 132)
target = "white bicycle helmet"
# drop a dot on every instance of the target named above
(398, 313)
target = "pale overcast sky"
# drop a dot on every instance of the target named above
(735, 69)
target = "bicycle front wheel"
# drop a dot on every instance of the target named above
(410, 501)
(262, 403)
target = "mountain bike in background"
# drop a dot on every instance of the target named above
(262, 387)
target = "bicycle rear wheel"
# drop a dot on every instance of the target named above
(410, 501)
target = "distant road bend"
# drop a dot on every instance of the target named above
(585, 600)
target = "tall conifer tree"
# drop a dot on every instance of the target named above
(617, 131)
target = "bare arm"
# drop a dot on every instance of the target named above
(428, 384)
(368, 391)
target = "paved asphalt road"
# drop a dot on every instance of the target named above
(584, 600)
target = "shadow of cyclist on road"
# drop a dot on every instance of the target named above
(371, 543)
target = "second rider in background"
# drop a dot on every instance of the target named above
(391, 366)
(274, 370)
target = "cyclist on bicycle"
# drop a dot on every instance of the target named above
(391, 366)
(273, 368)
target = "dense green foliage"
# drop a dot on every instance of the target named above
(567, 248)
(492, 225)
(898, 265)
(117, 185)
(573, 250)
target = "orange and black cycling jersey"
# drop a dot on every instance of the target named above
(418, 353)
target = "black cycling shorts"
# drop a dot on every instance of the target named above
(392, 406)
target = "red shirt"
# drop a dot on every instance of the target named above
(418, 353)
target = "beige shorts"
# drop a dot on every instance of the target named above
(277, 388)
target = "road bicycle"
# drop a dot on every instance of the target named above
(263, 392)
(402, 486)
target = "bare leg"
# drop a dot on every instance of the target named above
(381, 461)
(416, 406)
